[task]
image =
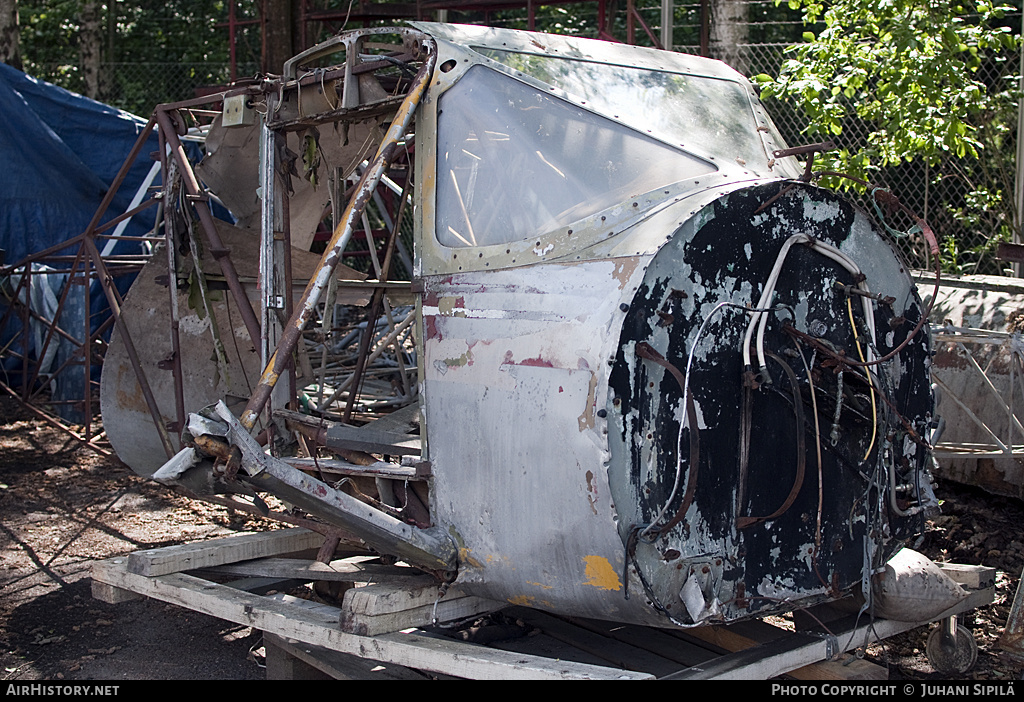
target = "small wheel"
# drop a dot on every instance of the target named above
(956, 658)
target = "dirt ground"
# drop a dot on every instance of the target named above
(63, 506)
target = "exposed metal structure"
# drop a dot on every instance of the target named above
(65, 329)
(977, 372)
(654, 374)
(314, 17)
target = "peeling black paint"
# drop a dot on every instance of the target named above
(728, 258)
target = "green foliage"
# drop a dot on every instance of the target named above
(49, 32)
(986, 185)
(180, 39)
(896, 81)
(906, 68)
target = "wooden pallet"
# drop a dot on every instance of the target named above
(378, 631)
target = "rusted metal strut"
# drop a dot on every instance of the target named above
(386, 153)
(217, 247)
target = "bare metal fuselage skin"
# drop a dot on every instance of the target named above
(605, 437)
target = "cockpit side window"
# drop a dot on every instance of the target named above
(514, 163)
(712, 115)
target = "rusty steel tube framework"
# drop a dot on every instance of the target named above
(87, 251)
(201, 207)
(278, 362)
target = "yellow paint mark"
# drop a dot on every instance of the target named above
(462, 360)
(522, 600)
(464, 557)
(546, 587)
(600, 573)
(499, 560)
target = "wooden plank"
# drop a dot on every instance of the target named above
(970, 576)
(388, 597)
(372, 441)
(241, 547)
(446, 611)
(341, 570)
(660, 642)
(825, 612)
(329, 614)
(381, 436)
(994, 283)
(261, 586)
(380, 469)
(282, 665)
(744, 635)
(850, 668)
(541, 644)
(331, 664)
(800, 649)
(413, 650)
(736, 637)
(608, 649)
(385, 607)
(401, 620)
(760, 662)
(111, 594)
(400, 421)
(1007, 251)
(975, 451)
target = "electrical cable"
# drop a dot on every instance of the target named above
(801, 456)
(684, 422)
(930, 240)
(860, 354)
(817, 441)
(759, 319)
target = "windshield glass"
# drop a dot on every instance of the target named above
(514, 162)
(711, 114)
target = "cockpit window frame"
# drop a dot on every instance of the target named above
(568, 242)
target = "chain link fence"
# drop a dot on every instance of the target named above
(140, 87)
(969, 202)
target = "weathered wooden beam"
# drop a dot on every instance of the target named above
(230, 549)
(336, 571)
(796, 650)
(414, 650)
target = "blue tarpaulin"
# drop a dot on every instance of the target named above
(60, 152)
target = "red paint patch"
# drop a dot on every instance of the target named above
(430, 326)
(538, 362)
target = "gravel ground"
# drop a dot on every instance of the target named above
(63, 507)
